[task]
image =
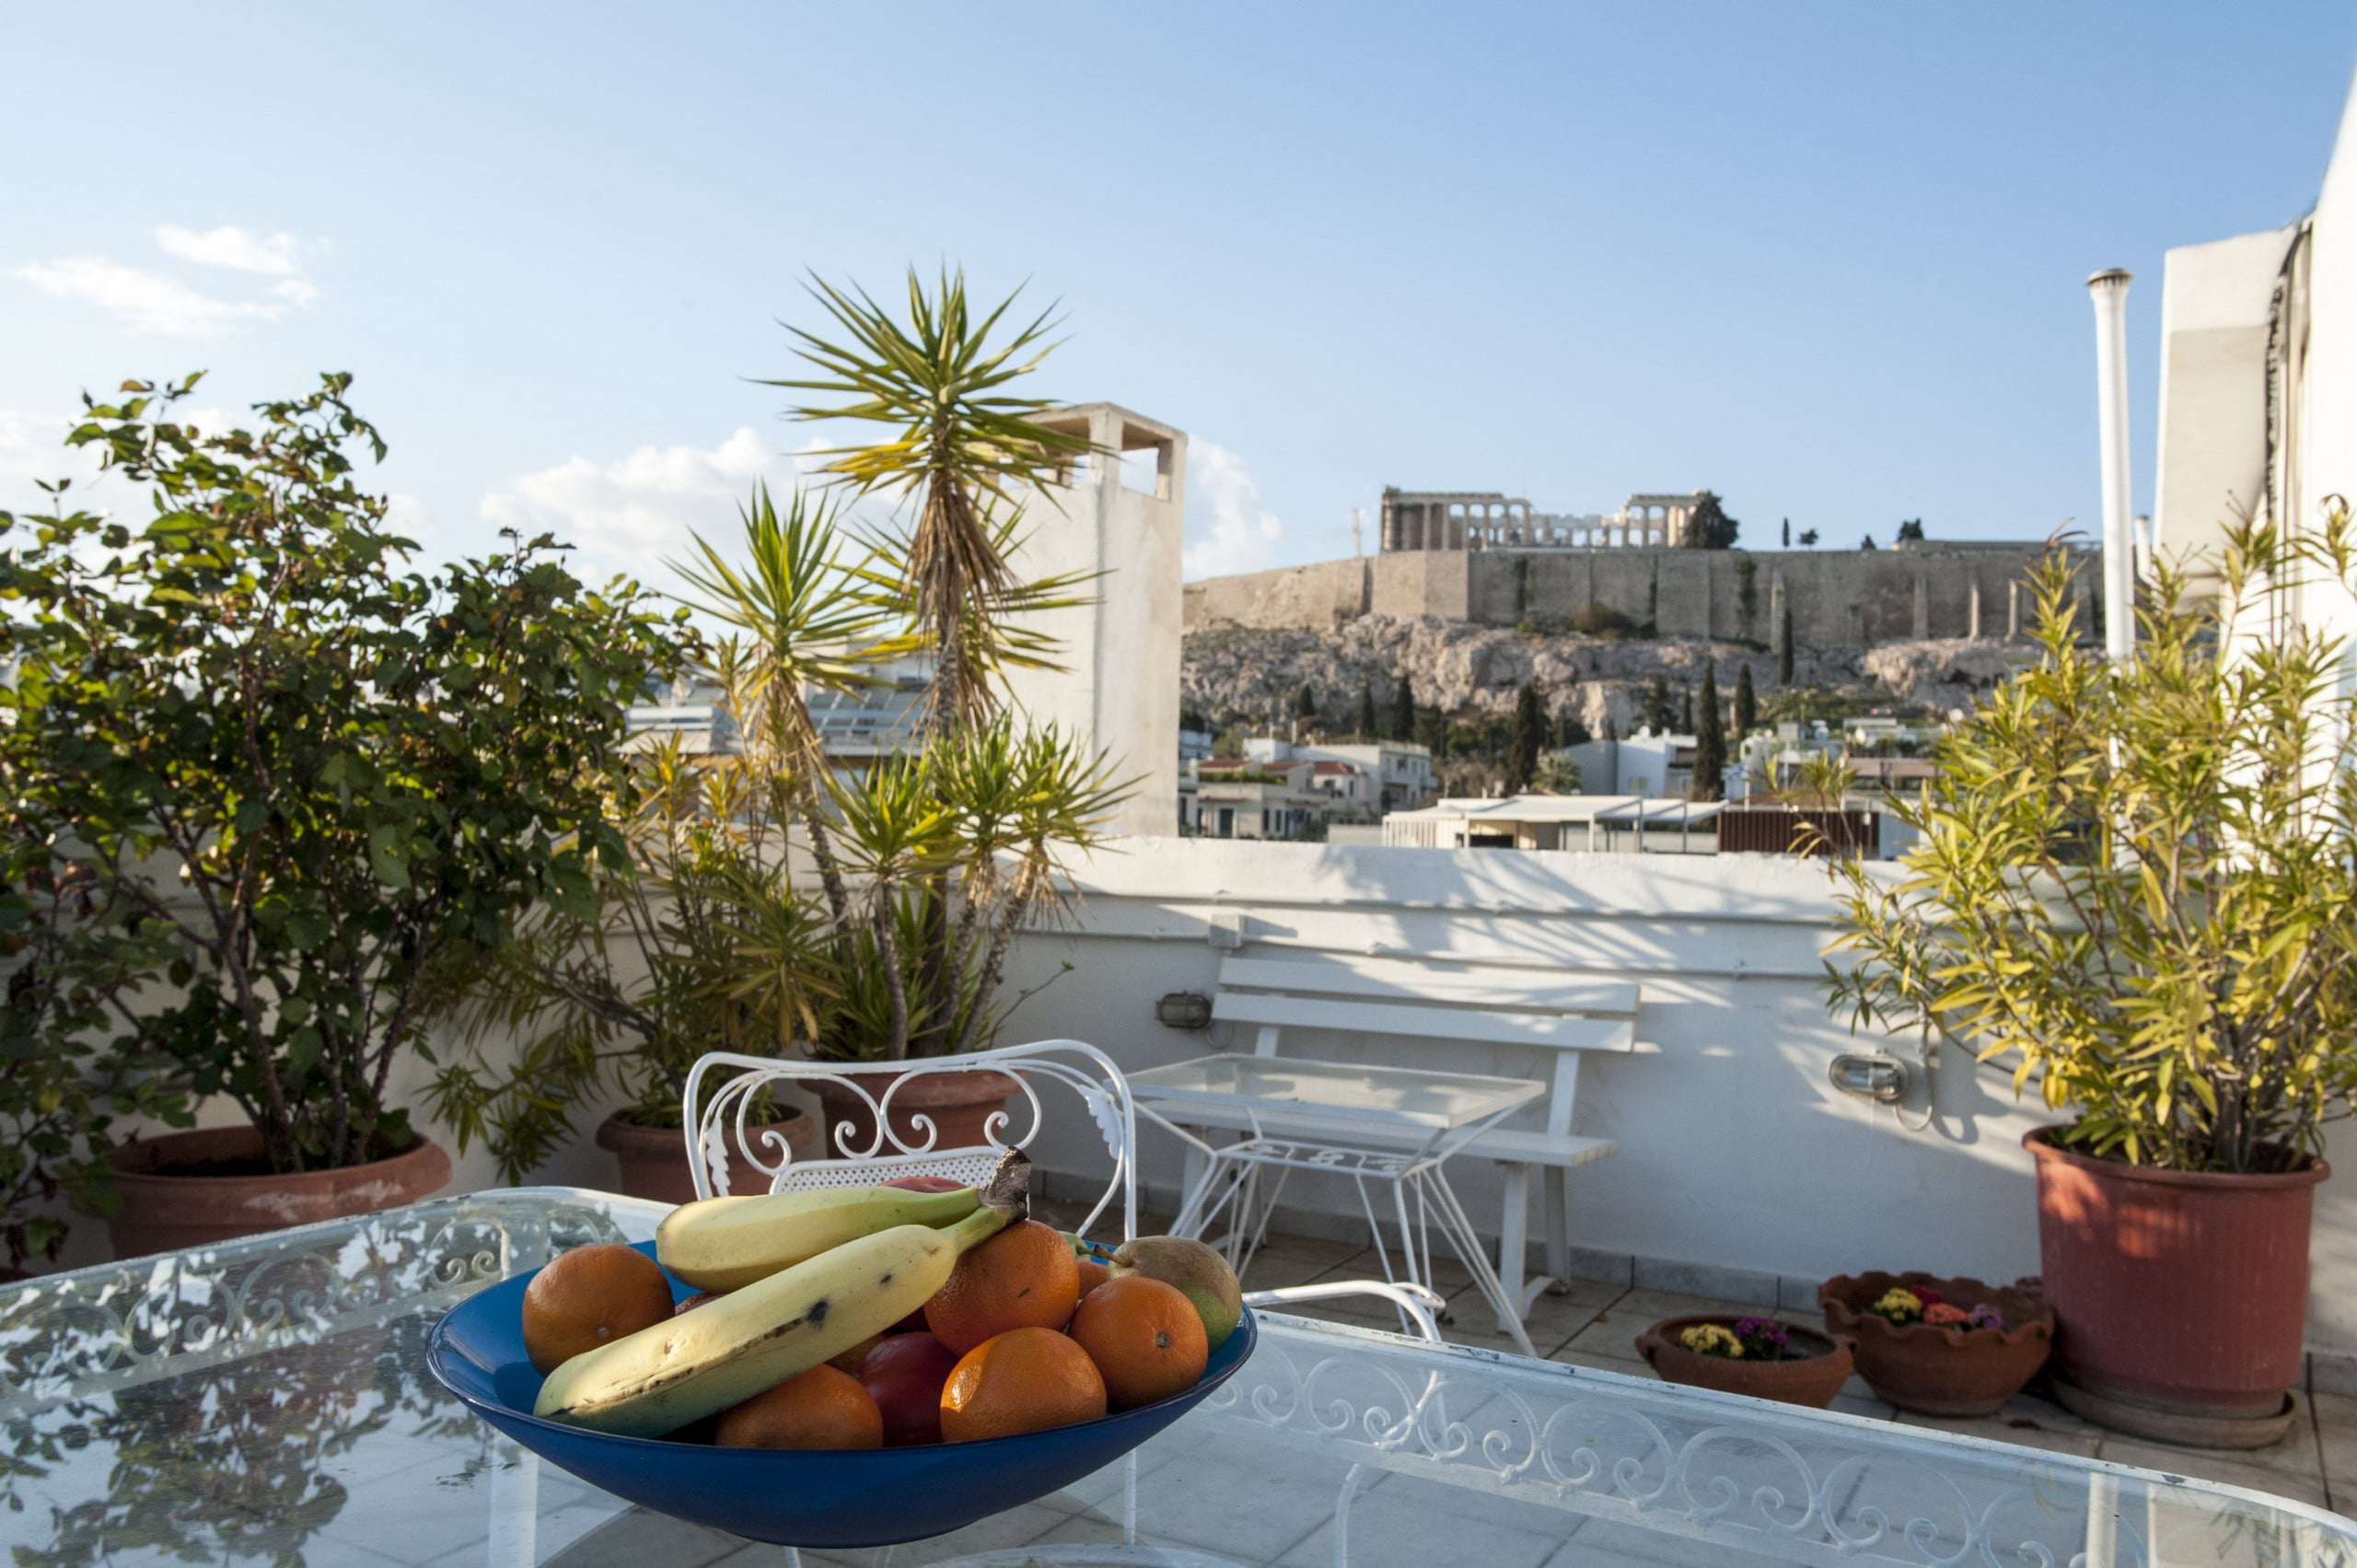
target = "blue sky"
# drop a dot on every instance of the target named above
(1824, 260)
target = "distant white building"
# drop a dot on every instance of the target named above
(1400, 774)
(1645, 764)
(1592, 823)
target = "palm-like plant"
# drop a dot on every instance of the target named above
(965, 447)
(927, 864)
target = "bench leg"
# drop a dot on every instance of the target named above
(1555, 1213)
(1514, 1239)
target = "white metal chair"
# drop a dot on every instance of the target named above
(708, 1120)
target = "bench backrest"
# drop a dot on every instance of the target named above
(1473, 1005)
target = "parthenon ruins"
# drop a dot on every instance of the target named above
(1468, 520)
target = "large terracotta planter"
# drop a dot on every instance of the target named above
(959, 1105)
(653, 1160)
(1936, 1369)
(2181, 1292)
(163, 1211)
(1811, 1378)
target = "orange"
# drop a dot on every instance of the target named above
(591, 1296)
(1024, 1277)
(1144, 1336)
(819, 1409)
(1023, 1380)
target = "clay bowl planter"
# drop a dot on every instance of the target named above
(653, 1160)
(1811, 1376)
(960, 1105)
(194, 1189)
(1940, 1369)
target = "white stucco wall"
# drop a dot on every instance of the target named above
(1740, 1167)
(1118, 684)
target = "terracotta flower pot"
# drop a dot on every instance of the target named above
(959, 1105)
(169, 1204)
(1940, 1369)
(653, 1160)
(2184, 1292)
(1811, 1377)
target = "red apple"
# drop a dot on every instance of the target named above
(925, 1184)
(904, 1375)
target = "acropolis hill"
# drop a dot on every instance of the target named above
(1486, 560)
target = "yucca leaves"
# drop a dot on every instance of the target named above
(2138, 884)
(964, 447)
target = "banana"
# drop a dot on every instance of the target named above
(728, 1243)
(726, 1350)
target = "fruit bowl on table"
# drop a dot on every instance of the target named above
(791, 1497)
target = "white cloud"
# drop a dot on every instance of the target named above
(143, 301)
(632, 515)
(1242, 535)
(33, 447)
(152, 303)
(276, 254)
(407, 515)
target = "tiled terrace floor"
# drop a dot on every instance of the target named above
(1592, 1324)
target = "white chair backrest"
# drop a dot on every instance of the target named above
(711, 1112)
(1392, 996)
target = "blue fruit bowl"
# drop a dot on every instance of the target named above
(866, 1497)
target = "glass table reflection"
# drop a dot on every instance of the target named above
(266, 1401)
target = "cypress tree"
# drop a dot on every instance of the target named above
(1366, 710)
(1686, 711)
(1747, 704)
(1403, 710)
(1653, 710)
(1523, 748)
(1306, 704)
(1710, 742)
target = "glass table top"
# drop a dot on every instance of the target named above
(1414, 1096)
(266, 1403)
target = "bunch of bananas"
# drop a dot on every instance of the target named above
(807, 1275)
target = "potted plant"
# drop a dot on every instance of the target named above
(2136, 884)
(1756, 1357)
(306, 771)
(1939, 1346)
(71, 971)
(919, 867)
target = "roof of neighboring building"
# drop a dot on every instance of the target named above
(1569, 808)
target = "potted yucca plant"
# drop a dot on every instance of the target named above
(2137, 884)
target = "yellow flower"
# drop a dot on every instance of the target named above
(1712, 1338)
(1899, 1305)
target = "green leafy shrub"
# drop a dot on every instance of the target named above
(2139, 883)
(252, 734)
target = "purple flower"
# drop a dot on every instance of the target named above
(1987, 1317)
(1764, 1337)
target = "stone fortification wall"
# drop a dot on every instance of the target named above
(1840, 599)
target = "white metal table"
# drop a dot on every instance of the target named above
(1317, 1116)
(266, 1403)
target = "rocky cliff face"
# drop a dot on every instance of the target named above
(1233, 675)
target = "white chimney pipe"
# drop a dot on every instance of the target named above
(2109, 291)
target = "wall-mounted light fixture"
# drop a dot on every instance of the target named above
(1869, 1075)
(1184, 1010)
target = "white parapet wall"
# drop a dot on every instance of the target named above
(1742, 1171)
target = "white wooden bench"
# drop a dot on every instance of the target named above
(1552, 1019)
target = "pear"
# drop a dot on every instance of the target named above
(1199, 1273)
